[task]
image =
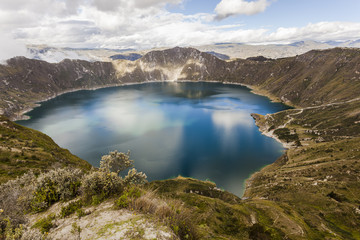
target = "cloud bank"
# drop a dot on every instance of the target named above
(142, 24)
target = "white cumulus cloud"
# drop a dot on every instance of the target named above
(227, 8)
(143, 24)
(10, 47)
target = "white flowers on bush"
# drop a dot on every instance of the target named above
(15, 196)
(135, 177)
(116, 162)
(100, 183)
(31, 193)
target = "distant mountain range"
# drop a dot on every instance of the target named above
(223, 51)
(237, 50)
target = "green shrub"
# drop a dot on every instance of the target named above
(55, 185)
(11, 232)
(76, 230)
(135, 177)
(80, 213)
(127, 197)
(44, 196)
(100, 185)
(134, 192)
(285, 135)
(97, 199)
(182, 226)
(123, 201)
(115, 162)
(257, 231)
(71, 208)
(45, 224)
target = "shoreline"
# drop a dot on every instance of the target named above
(21, 115)
(286, 146)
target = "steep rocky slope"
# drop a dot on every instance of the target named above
(25, 81)
(314, 78)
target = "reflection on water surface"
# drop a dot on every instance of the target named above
(200, 130)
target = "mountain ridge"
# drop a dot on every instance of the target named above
(311, 79)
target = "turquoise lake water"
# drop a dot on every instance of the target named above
(200, 130)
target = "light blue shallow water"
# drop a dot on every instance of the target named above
(200, 130)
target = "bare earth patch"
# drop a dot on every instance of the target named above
(105, 222)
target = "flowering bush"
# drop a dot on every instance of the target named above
(100, 184)
(14, 198)
(116, 162)
(37, 193)
(55, 185)
(135, 177)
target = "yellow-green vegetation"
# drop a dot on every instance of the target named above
(71, 208)
(32, 193)
(128, 196)
(23, 149)
(45, 224)
(317, 182)
(217, 214)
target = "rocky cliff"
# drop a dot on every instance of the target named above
(25, 81)
(311, 79)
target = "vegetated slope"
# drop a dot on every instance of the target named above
(217, 214)
(319, 178)
(23, 149)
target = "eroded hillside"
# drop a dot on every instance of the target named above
(311, 79)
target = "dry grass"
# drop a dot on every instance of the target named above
(169, 211)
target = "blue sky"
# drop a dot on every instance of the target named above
(282, 13)
(144, 24)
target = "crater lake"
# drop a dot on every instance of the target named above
(200, 130)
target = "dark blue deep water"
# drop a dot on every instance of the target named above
(200, 130)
